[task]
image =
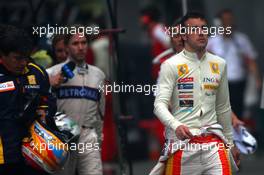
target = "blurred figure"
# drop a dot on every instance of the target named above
(42, 58)
(58, 49)
(100, 48)
(176, 47)
(240, 56)
(59, 54)
(149, 18)
(262, 98)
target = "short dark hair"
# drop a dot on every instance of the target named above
(151, 11)
(223, 11)
(68, 36)
(57, 38)
(14, 39)
(192, 15)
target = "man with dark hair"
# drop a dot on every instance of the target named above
(194, 84)
(58, 49)
(20, 82)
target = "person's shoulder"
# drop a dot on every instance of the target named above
(166, 54)
(240, 34)
(55, 68)
(36, 69)
(215, 58)
(241, 37)
(177, 58)
(95, 70)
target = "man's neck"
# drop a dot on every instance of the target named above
(78, 63)
(199, 52)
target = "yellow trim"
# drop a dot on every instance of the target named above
(2, 159)
(44, 106)
(227, 152)
(169, 166)
(37, 67)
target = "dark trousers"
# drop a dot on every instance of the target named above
(18, 169)
(237, 90)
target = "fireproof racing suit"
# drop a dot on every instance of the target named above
(16, 93)
(197, 91)
(82, 99)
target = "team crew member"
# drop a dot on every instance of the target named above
(20, 81)
(176, 47)
(149, 18)
(160, 41)
(59, 49)
(81, 99)
(194, 82)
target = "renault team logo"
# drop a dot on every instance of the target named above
(214, 68)
(32, 79)
(182, 69)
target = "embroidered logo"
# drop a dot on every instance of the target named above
(32, 79)
(214, 68)
(182, 69)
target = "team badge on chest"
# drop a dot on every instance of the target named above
(32, 79)
(214, 68)
(182, 69)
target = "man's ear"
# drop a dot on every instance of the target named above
(67, 49)
(184, 37)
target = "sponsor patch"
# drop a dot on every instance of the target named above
(182, 69)
(7, 86)
(77, 92)
(214, 67)
(186, 103)
(185, 92)
(186, 110)
(185, 80)
(185, 86)
(185, 96)
(210, 87)
(32, 79)
(210, 80)
(32, 86)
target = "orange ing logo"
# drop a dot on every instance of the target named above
(214, 68)
(182, 69)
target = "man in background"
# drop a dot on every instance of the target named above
(80, 98)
